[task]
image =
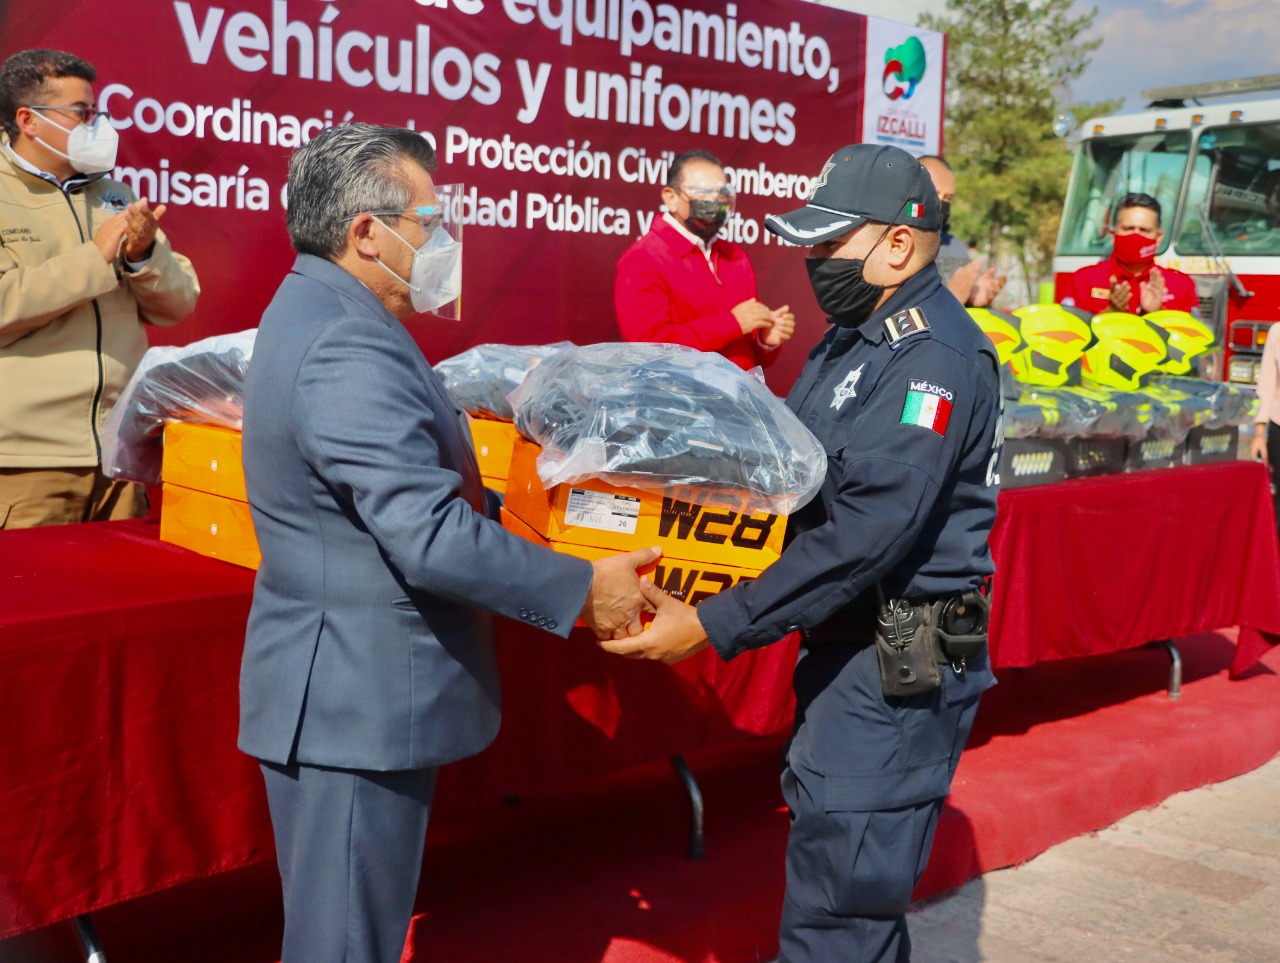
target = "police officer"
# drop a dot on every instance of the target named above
(904, 395)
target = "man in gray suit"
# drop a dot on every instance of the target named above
(369, 658)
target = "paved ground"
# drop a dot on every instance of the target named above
(1195, 880)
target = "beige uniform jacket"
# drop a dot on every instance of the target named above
(71, 325)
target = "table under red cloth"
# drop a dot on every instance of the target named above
(119, 668)
(120, 655)
(1101, 564)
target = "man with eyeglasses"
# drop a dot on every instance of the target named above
(682, 285)
(83, 266)
(369, 658)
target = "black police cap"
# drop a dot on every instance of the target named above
(862, 182)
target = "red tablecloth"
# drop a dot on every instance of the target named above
(1100, 564)
(119, 659)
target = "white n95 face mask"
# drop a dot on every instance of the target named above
(435, 279)
(91, 148)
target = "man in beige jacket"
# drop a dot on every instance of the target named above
(83, 266)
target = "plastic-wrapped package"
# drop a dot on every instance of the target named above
(655, 415)
(202, 382)
(480, 378)
(1051, 413)
(1229, 404)
(1182, 410)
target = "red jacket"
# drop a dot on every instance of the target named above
(665, 291)
(1091, 287)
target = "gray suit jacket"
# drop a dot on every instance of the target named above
(369, 643)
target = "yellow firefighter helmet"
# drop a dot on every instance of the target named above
(1001, 327)
(1188, 337)
(1128, 349)
(1056, 336)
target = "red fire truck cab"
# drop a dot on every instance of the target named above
(1215, 170)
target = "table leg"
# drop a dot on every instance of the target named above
(690, 784)
(1175, 669)
(87, 937)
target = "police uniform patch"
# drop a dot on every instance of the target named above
(848, 388)
(928, 405)
(904, 324)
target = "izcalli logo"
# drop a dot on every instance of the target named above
(903, 69)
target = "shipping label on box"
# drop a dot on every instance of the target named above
(690, 523)
(209, 524)
(203, 458)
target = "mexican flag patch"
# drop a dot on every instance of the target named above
(928, 405)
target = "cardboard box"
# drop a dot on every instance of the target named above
(691, 524)
(1208, 445)
(1094, 456)
(1031, 461)
(209, 524)
(1154, 453)
(493, 441)
(203, 458)
(689, 581)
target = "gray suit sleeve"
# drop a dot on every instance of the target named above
(376, 433)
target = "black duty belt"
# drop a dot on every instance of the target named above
(853, 625)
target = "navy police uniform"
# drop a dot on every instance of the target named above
(907, 404)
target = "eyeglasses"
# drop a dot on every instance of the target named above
(699, 192)
(428, 216)
(85, 115)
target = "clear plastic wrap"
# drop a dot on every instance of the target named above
(1051, 413)
(202, 382)
(480, 378)
(1229, 405)
(655, 415)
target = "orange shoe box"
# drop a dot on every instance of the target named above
(209, 524)
(686, 580)
(203, 458)
(689, 523)
(493, 441)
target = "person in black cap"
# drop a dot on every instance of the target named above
(884, 573)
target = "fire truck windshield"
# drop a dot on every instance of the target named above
(1108, 168)
(1236, 171)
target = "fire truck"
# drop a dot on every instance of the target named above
(1215, 170)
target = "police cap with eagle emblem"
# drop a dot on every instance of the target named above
(862, 182)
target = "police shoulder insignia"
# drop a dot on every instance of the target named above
(928, 405)
(904, 325)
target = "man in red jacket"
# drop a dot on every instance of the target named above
(1129, 280)
(683, 285)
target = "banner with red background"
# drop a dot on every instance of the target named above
(557, 116)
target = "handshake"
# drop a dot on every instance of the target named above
(617, 598)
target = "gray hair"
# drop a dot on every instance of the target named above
(347, 170)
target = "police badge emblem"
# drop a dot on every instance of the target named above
(848, 388)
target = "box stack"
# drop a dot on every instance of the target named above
(205, 507)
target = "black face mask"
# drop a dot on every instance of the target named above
(944, 226)
(706, 218)
(841, 289)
